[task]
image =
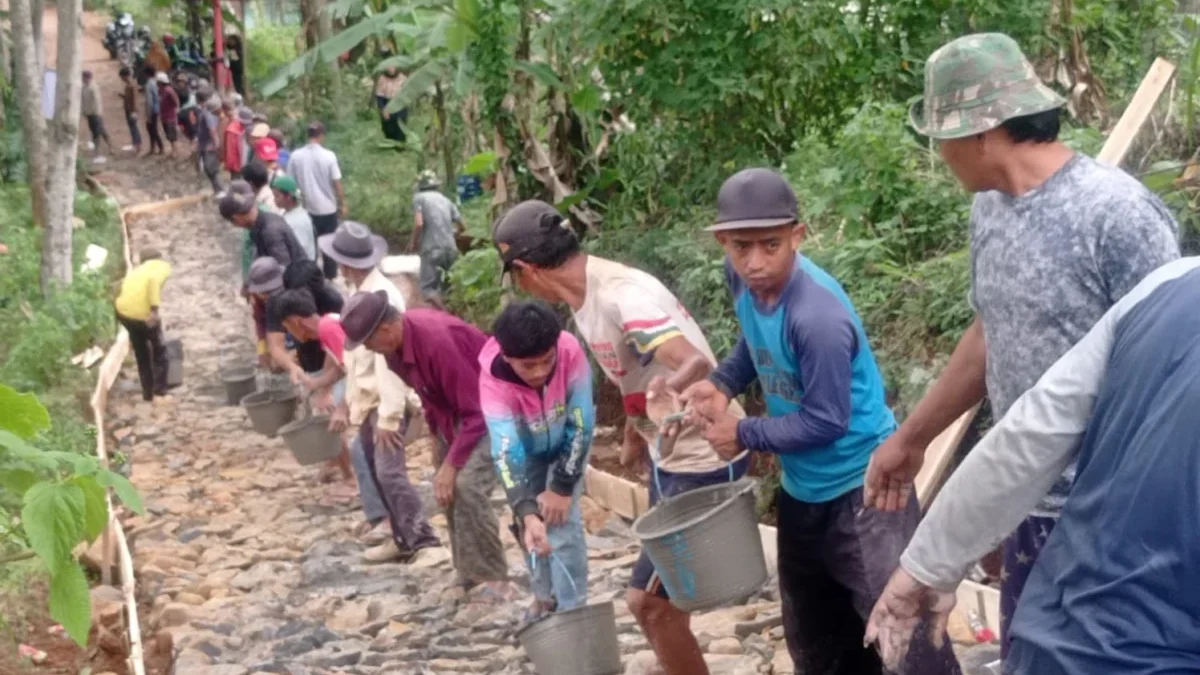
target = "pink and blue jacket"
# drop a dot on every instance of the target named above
(540, 437)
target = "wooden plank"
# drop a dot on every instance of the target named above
(106, 376)
(985, 600)
(150, 208)
(1136, 114)
(939, 455)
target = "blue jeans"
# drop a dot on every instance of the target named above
(372, 504)
(552, 577)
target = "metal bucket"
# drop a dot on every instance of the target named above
(174, 347)
(238, 384)
(580, 641)
(705, 545)
(269, 410)
(310, 440)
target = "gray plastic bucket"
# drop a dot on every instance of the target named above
(580, 641)
(174, 347)
(238, 384)
(269, 410)
(310, 440)
(705, 545)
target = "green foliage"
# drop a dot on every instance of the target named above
(62, 505)
(476, 288)
(269, 48)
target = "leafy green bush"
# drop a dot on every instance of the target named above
(268, 48)
(62, 504)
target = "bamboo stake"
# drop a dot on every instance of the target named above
(106, 376)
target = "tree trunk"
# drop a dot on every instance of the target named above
(37, 10)
(60, 211)
(308, 20)
(450, 187)
(28, 78)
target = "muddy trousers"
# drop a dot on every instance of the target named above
(835, 558)
(389, 471)
(474, 528)
(151, 356)
(210, 164)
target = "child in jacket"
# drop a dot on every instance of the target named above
(536, 395)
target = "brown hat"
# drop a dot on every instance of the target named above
(754, 198)
(266, 275)
(237, 201)
(362, 315)
(526, 227)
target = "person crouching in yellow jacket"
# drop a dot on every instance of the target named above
(137, 310)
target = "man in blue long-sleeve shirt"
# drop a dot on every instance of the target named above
(804, 343)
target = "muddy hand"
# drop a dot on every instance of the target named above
(901, 606)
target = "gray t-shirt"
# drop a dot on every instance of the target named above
(1047, 265)
(439, 215)
(316, 171)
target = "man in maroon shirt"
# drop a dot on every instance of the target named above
(437, 354)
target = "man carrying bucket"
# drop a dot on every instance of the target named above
(535, 388)
(377, 401)
(804, 343)
(639, 332)
(437, 354)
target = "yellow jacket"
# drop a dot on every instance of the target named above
(142, 289)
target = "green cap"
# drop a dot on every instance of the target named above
(976, 83)
(286, 184)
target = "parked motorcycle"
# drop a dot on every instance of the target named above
(119, 30)
(186, 55)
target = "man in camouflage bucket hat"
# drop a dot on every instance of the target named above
(1055, 240)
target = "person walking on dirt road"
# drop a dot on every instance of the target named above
(93, 112)
(644, 340)
(137, 308)
(1114, 588)
(437, 355)
(153, 108)
(168, 106)
(1056, 240)
(803, 342)
(129, 102)
(316, 170)
(378, 402)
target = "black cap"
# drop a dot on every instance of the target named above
(753, 198)
(362, 315)
(526, 227)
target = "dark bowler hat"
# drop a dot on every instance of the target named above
(362, 315)
(353, 245)
(755, 198)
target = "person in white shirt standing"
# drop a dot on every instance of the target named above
(316, 170)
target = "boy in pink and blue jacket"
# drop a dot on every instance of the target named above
(535, 389)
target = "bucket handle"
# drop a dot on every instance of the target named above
(656, 456)
(561, 565)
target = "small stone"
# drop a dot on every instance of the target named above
(190, 598)
(725, 646)
(174, 614)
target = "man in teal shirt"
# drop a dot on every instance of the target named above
(804, 343)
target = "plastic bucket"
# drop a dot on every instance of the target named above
(310, 440)
(174, 348)
(705, 545)
(238, 384)
(269, 410)
(580, 641)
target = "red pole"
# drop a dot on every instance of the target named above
(220, 74)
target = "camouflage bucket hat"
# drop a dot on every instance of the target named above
(976, 83)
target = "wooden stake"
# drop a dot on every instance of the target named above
(1136, 114)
